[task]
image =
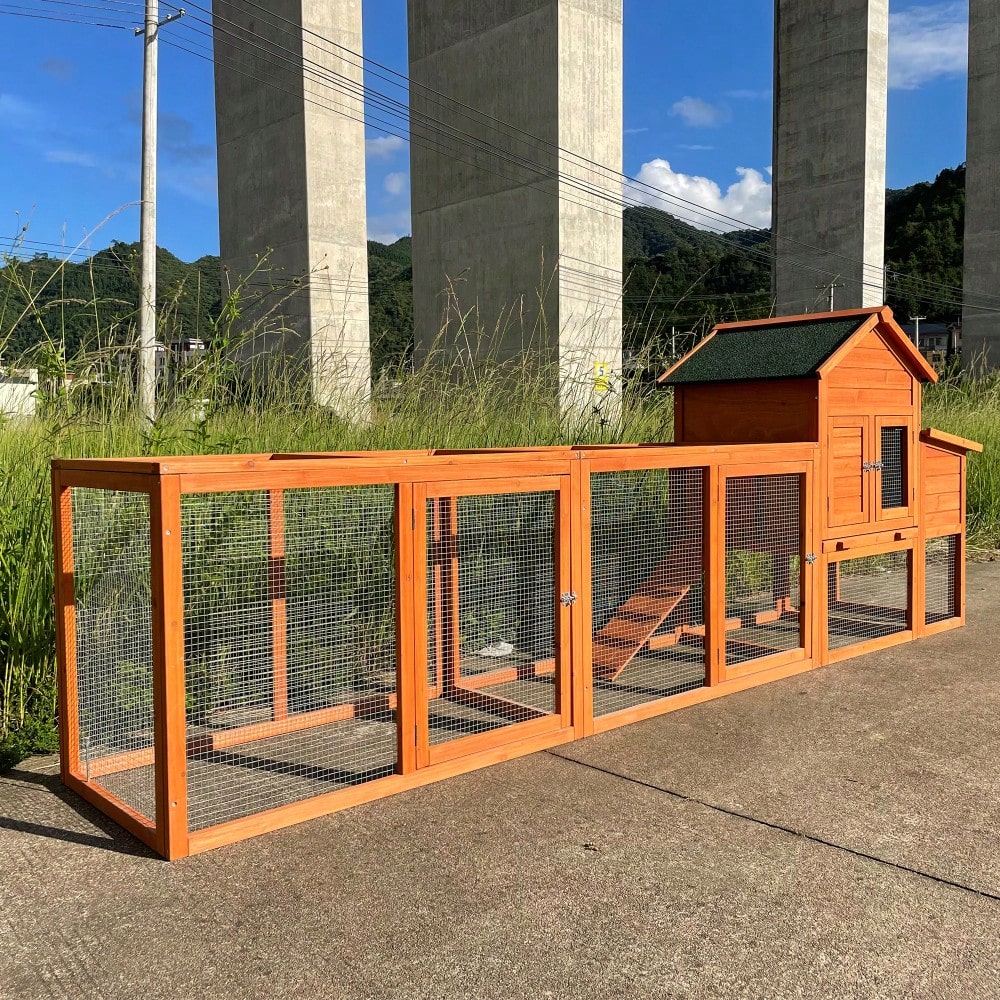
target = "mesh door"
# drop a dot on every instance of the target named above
(893, 458)
(289, 645)
(491, 605)
(940, 560)
(647, 586)
(763, 566)
(867, 598)
(114, 650)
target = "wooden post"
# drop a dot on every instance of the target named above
(406, 631)
(167, 585)
(421, 640)
(713, 555)
(62, 542)
(582, 647)
(279, 604)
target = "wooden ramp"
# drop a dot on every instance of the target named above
(635, 621)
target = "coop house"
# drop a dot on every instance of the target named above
(889, 513)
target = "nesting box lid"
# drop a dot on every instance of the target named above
(790, 347)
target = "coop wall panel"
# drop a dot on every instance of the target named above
(290, 642)
(867, 598)
(940, 576)
(491, 609)
(648, 586)
(763, 566)
(114, 645)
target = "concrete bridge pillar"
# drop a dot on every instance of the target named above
(828, 204)
(981, 292)
(514, 227)
(292, 182)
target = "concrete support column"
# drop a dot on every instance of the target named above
(290, 129)
(512, 102)
(981, 291)
(831, 64)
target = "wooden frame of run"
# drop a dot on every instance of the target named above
(419, 480)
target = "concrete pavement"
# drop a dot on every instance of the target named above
(831, 835)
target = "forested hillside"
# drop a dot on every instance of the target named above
(676, 277)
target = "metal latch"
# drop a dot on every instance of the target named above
(568, 600)
(810, 558)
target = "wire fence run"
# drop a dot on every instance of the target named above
(868, 598)
(114, 644)
(257, 644)
(763, 566)
(940, 577)
(648, 586)
(289, 644)
(491, 609)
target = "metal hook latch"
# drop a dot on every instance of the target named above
(810, 558)
(568, 600)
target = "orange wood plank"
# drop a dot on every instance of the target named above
(407, 657)
(494, 739)
(582, 674)
(65, 615)
(123, 814)
(168, 669)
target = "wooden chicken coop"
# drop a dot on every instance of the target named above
(250, 641)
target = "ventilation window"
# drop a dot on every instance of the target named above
(893, 466)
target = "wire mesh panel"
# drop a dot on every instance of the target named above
(941, 567)
(648, 588)
(893, 458)
(763, 566)
(289, 644)
(491, 604)
(114, 657)
(867, 598)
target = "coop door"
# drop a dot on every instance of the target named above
(497, 605)
(766, 620)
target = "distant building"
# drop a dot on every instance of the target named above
(18, 392)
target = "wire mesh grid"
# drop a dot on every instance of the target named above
(941, 567)
(868, 598)
(763, 566)
(114, 650)
(647, 585)
(893, 457)
(289, 646)
(491, 606)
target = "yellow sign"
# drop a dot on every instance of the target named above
(602, 377)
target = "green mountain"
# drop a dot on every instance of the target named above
(677, 277)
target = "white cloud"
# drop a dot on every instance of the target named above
(389, 228)
(696, 147)
(748, 201)
(396, 183)
(698, 113)
(383, 146)
(635, 131)
(926, 43)
(71, 156)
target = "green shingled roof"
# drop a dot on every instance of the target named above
(752, 353)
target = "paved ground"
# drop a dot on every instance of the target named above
(832, 835)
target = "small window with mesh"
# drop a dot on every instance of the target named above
(893, 458)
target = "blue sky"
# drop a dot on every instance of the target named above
(697, 114)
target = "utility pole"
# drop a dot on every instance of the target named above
(147, 211)
(833, 284)
(916, 332)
